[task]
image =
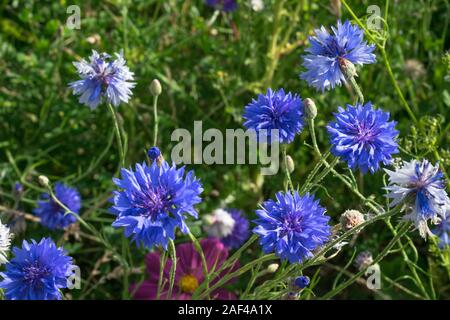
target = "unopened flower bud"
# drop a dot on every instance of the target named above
(18, 189)
(302, 282)
(155, 154)
(43, 180)
(290, 166)
(351, 219)
(155, 87)
(363, 260)
(272, 268)
(348, 68)
(310, 108)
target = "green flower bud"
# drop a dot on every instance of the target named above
(43, 181)
(155, 87)
(348, 68)
(310, 108)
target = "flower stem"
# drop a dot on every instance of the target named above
(118, 135)
(288, 174)
(162, 265)
(156, 120)
(173, 255)
(357, 89)
(385, 252)
(199, 249)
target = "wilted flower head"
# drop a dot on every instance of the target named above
(5, 242)
(37, 272)
(442, 230)
(52, 215)
(420, 186)
(414, 69)
(328, 52)
(363, 260)
(351, 219)
(153, 201)
(292, 226)
(103, 78)
(275, 110)
(363, 137)
(223, 5)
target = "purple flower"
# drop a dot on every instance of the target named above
(52, 215)
(328, 51)
(275, 110)
(292, 226)
(363, 137)
(153, 201)
(420, 186)
(37, 272)
(189, 273)
(224, 5)
(103, 78)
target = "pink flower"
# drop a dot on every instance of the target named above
(189, 272)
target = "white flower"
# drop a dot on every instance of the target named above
(257, 5)
(420, 187)
(5, 242)
(219, 223)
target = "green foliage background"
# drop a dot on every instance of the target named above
(208, 73)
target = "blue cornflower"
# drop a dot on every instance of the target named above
(37, 272)
(52, 215)
(103, 78)
(328, 52)
(275, 110)
(154, 201)
(302, 282)
(420, 186)
(442, 230)
(240, 232)
(363, 137)
(154, 153)
(224, 5)
(292, 226)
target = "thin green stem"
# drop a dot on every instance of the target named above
(162, 265)
(173, 256)
(286, 168)
(384, 253)
(156, 120)
(199, 249)
(118, 135)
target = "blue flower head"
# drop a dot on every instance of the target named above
(292, 226)
(240, 231)
(37, 272)
(153, 201)
(420, 187)
(275, 110)
(52, 215)
(224, 5)
(327, 51)
(302, 282)
(363, 137)
(103, 78)
(442, 230)
(154, 153)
